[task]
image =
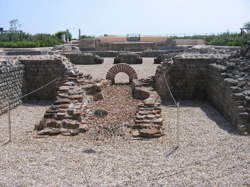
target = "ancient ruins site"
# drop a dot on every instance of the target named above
(180, 117)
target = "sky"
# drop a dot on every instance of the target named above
(121, 17)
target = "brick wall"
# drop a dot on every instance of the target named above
(223, 82)
(186, 75)
(220, 94)
(83, 58)
(11, 84)
(40, 70)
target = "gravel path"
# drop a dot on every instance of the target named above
(210, 153)
(208, 156)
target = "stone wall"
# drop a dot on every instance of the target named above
(186, 75)
(219, 92)
(25, 51)
(40, 70)
(83, 58)
(11, 84)
(137, 46)
(25, 74)
(229, 89)
(87, 44)
(217, 78)
(96, 44)
(147, 53)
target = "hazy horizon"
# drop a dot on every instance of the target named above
(121, 17)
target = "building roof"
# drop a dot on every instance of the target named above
(123, 39)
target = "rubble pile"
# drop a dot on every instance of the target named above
(148, 122)
(66, 115)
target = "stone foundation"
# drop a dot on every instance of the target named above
(186, 75)
(25, 74)
(83, 58)
(40, 70)
(214, 77)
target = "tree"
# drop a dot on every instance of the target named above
(247, 25)
(14, 25)
(67, 34)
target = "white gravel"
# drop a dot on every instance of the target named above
(210, 153)
(99, 71)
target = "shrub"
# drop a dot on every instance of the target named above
(228, 39)
(23, 40)
(86, 36)
(224, 39)
(67, 34)
(28, 44)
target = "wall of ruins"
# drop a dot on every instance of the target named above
(11, 84)
(219, 93)
(24, 74)
(97, 45)
(83, 58)
(40, 70)
(203, 77)
(186, 76)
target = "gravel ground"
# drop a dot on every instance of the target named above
(120, 105)
(99, 71)
(210, 153)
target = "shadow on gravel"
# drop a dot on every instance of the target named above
(37, 103)
(172, 151)
(211, 112)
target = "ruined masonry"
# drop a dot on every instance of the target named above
(125, 68)
(148, 121)
(66, 115)
(221, 79)
(11, 83)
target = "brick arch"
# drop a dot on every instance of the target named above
(125, 68)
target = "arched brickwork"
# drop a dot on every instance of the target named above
(125, 68)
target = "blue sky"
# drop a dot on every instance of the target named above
(120, 17)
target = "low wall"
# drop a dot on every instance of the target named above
(40, 70)
(11, 84)
(83, 58)
(149, 53)
(190, 42)
(222, 81)
(105, 53)
(186, 76)
(23, 51)
(220, 94)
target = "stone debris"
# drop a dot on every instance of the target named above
(119, 108)
(148, 121)
(66, 115)
(162, 57)
(128, 58)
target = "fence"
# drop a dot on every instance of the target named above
(19, 98)
(177, 105)
(111, 134)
